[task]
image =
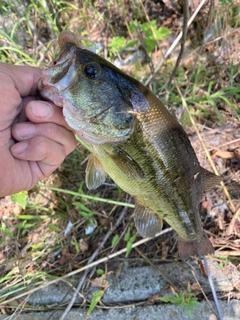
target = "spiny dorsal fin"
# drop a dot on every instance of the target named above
(95, 174)
(147, 223)
(209, 179)
(127, 164)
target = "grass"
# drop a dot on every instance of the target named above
(185, 299)
(35, 246)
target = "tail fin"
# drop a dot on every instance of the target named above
(198, 248)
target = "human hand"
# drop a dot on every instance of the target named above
(34, 137)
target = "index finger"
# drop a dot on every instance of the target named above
(23, 78)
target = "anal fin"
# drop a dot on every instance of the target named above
(95, 174)
(147, 222)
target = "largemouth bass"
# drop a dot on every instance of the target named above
(135, 140)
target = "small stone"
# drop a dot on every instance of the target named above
(212, 317)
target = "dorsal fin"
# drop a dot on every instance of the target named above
(95, 174)
(209, 179)
(147, 223)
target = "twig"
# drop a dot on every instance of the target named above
(229, 230)
(229, 142)
(155, 267)
(183, 40)
(206, 150)
(203, 292)
(91, 259)
(174, 43)
(150, 62)
(213, 289)
(111, 256)
(55, 308)
(201, 48)
(227, 253)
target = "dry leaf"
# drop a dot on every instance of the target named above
(195, 287)
(99, 282)
(224, 154)
(83, 245)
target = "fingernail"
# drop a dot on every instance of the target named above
(41, 109)
(19, 147)
(25, 130)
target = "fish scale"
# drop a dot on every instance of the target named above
(135, 140)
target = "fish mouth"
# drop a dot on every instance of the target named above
(50, 93)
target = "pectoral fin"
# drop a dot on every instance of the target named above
(95, 174)
(209, 179)
(147, 223)
(127, 164)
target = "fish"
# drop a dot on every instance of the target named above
(135, 140)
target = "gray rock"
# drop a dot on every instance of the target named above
(57, 293)
(136, 285)
(231, 311)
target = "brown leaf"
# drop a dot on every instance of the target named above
(65, 256)
(83, 245)
(195, 287)
(24, 263)
(224, 154)
(99, 282)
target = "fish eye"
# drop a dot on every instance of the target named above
(91, 71)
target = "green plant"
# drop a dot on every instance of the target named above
(205, 96)
(151, 35)
(224, 2)
(185, 299)
(84, 211)
(97, 295)
(130, 240)
(215, 98)
(115, 240)
(21, 198)
(6, 231)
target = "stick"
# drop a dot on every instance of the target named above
(213, 289)
(232, 206)
(230, 228)
(174, 43)
(91, 259)
(111, 256)
(183, 40)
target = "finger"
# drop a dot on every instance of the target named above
(42, 111)
(28, 130)
(43, 154)
(23, 78)
(40, 149)
(16, 82)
